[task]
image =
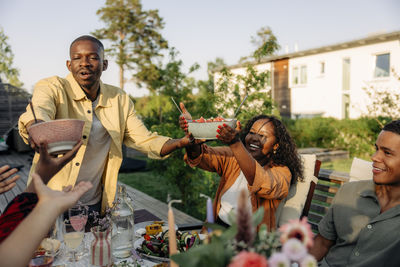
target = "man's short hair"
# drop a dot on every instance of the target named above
(393, 126)
(87, 38)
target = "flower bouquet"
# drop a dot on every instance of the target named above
(242, 245)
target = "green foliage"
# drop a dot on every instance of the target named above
(136, 41)
(266, 43)
(7, 72)
(232, 88)
(354, 135)
(384, 101)
(223, 246)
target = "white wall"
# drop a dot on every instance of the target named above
(323, 93)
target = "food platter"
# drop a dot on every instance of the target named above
(138, 244)
(155, 246)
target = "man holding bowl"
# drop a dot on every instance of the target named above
(110, 121)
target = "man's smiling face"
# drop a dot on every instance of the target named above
(386, 159)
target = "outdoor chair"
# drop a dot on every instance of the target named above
(297, 204)
(360, 170)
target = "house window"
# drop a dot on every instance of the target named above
(295, 75)
(299, 75)
(322, 68)
(303, 74)
(382, 65)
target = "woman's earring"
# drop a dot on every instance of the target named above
(274, 151)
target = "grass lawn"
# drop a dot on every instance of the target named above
(147, 182)
(341, 165)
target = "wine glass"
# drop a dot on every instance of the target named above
(73, 237)
(78, 216)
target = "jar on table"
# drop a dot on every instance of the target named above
(101, 247)
(123, 223)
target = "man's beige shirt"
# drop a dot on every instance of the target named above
(59, 98)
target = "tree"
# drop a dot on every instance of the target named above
(136, 41)
(7, 72)
(384, 101)
(231, 88)
(266, 44)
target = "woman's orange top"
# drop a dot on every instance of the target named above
(270, 186)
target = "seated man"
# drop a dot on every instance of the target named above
(361, 227)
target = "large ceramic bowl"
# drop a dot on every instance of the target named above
(60, 135)
(208, 130)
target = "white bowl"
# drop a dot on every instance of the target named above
(208, 130)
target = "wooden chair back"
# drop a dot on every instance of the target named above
(324, 192)
(310, 194)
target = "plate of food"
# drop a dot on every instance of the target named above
(155, 247)
(48, 245)
(151, 228)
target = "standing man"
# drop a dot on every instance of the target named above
(361, 228)
(110, 121)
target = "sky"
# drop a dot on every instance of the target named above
(40, 31)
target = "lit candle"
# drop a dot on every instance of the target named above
(171, 232)
(210, 212)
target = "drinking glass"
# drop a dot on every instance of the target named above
(78, 216)
(73, 237)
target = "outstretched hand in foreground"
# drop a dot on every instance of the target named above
(31, 231)
(59, 200)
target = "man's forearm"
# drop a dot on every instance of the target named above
(170, 146)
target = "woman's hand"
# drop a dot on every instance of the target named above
(184, 117)
(5, 173)
(227, 134)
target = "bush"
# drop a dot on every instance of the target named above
(354, 135)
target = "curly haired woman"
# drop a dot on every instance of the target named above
(264, 160)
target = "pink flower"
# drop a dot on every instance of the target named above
(294, 250)
(248, 259)
(279, 259)
(309, 261)
(299, 229)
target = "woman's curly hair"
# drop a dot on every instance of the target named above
(286, 153)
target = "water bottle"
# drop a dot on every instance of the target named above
(123, 222)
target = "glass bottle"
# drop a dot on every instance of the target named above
(123, 223)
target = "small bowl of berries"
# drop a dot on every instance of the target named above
(207, 128)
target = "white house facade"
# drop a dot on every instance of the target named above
(329, 81)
